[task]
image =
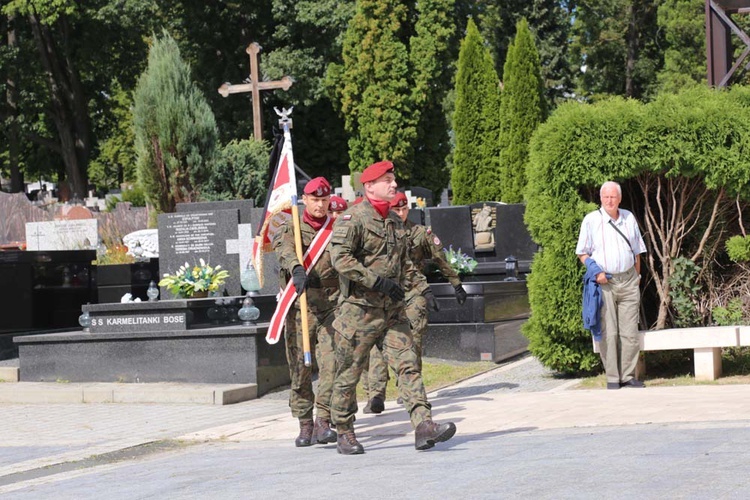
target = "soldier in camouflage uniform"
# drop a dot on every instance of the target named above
(322, 285)
(423, 245)
(370, 250)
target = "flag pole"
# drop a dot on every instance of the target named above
(286, 123)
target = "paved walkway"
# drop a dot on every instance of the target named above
(521, 433)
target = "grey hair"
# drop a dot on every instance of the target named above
(610, 184)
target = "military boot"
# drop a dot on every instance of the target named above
(375, 405)
(347, 444)
(428, 433)
(322, 432)
(305, 433)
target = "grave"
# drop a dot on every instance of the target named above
(487, 327)
(78, 234)
(42, 291)
(180, 340)
(186, 340)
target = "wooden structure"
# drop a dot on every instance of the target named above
(719, 49)
(254, 87)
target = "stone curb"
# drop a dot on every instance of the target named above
(163, 392)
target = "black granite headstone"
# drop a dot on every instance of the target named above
(421, 192)
(453, 226)
(244, 206)
(191, 236)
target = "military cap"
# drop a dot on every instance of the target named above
(399, 200)
(375, 170)
(318, 187)
(338, 204)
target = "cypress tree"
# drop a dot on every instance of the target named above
(374, 86)
(175, 129)
(523, 108)
(476, 118)
(684, 27)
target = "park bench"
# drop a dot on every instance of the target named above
(706, 343)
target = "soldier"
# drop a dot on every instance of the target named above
(338, 205)
(423, 245)
(370, 250)
(322, 285)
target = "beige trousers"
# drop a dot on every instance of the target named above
(620, 345)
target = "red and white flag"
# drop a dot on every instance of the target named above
(278, 205)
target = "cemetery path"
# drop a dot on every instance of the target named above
(562, 444)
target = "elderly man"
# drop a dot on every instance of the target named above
(322, 285)
(370, 251)
(610, 239)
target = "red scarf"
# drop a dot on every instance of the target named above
(382, 207)
(314, 222)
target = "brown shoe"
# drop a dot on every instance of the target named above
(347, 444)
(375, 405)
(305, 433)
(322, 432)
(428, 433)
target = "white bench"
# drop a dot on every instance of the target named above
(706, 343)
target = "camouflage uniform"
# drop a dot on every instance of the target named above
(424, 244)
(366, 246)
(322, 296)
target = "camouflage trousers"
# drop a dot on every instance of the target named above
(301, 396)
(357, 329)
(375, 379)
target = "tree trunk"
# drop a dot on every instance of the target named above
(632, 45)
(69, 111)
(14, 135)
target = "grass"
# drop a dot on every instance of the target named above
(436, 375)
(675, 370)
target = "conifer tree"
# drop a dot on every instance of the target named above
(476, 118)
(523, 108)
(375, 91)
(684, 27)
(175, 129)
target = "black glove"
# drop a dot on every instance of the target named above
(460, 294)
(389, 287)
(299, 278)
(432, 304)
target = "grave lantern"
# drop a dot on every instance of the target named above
(511, 268)
(85, 320)
(248, 313)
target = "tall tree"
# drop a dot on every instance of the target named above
(175, 129)
(523, 108)
(684, 26)
(391, 86)
(616, 44)
(374, 88)
(476, 119)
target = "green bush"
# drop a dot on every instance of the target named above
(699, 133)
(738, 248)
(241, 173)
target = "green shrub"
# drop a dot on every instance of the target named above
(738, 248)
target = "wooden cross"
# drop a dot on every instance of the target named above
(255, 86)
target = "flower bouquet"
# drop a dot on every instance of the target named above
(459, 261)
(194, 281)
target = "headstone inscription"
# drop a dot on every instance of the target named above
(187, 237)
(61, 235)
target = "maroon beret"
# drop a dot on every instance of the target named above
(399, 200)
(338, 204)
(375, 170)
(318, 187)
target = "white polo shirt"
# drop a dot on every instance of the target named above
(602, 242)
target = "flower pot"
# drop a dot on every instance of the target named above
(199, 295)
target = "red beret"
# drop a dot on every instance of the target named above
(338, 204)
(399, 200)
(318, 187)
(375, 170)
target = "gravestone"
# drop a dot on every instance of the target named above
(62, 235)
(424, 193)
(453, 226)
(187, 237)
(510, 235)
